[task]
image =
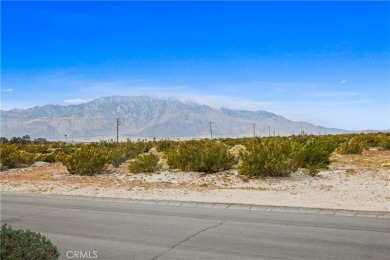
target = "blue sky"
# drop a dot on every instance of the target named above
(322, 62)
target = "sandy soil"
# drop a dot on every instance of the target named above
(358, 182)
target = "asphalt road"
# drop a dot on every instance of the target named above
(108, 229)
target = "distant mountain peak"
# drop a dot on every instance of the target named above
(145, 117)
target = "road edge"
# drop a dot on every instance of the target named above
(242, 206)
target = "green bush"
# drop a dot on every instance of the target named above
(302, 138)
(60, 156)
(273, 157)
(353, 146)
(140, 147)
(165, 145)
(135, 148)
(11, 156)
(66, 148)
(117, 156)
(87, 160)
(372, 140)
(233, 141)
(20, 244)
(385, 143)
(50, 158)
(203, 155)
(144, 163)
(315, 155)
(26, 158)
(36, 148)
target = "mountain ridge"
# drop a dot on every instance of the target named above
(147, 117)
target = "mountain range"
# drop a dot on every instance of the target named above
(147, 117)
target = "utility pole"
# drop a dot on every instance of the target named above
(211, 132)
(254, 130)
(301, 130)
(117, 129)
(269, 131)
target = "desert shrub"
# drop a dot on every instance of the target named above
(234, 141)
(60, 156)
(269, 157)
(385, 142)
(315, 155)
(36, 148)
(50, 158)
(203, 155)
(61, 151)
(135, 148)
(144, 163)
(165, 145)
(352, 146)
(302, 138)
(87, 160)
(337, 139)
(11, 156)
(142, 147)
(117, 156)
(26, 158)
(20, 244)
(68, 148)
(110, 145)
(372, 140)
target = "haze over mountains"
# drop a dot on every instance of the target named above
(146, 117)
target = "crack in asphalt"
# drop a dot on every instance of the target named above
(28, 215)
(188, 238)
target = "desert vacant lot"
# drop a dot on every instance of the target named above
(359, 182)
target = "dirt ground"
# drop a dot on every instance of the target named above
(358, 182)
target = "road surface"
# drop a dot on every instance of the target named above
(111, 229)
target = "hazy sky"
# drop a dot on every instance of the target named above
(322, 62)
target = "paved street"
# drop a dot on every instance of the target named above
(120, 229)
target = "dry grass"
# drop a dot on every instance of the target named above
(370, 160)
